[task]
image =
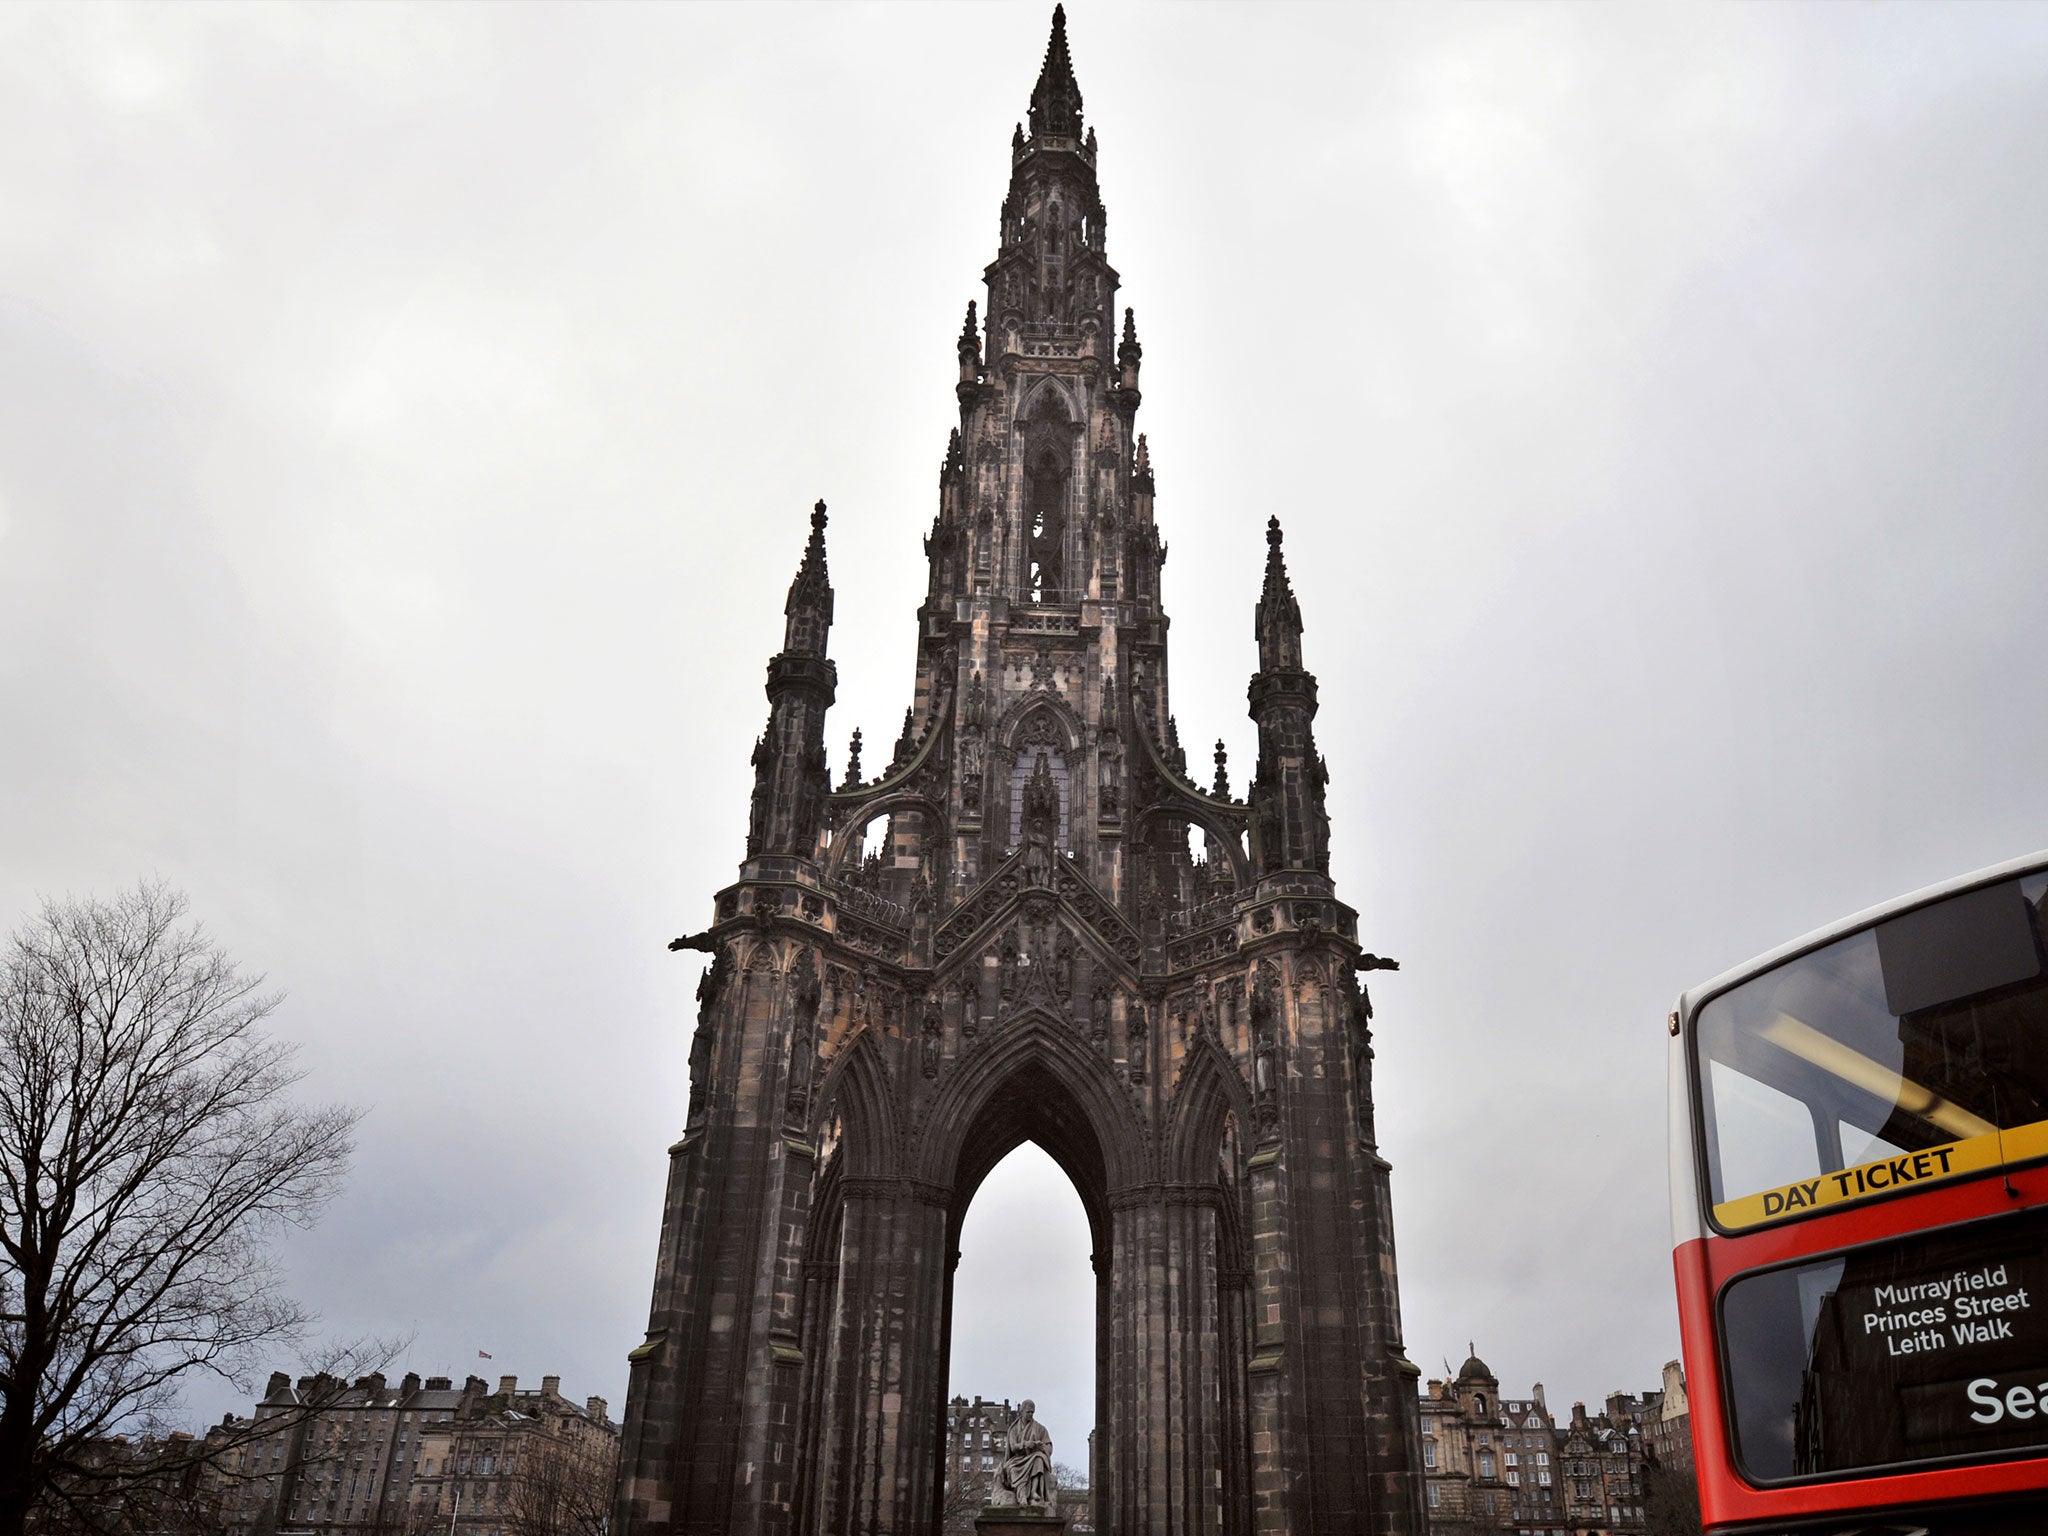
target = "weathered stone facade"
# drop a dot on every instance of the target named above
(1490, 1461)
(323, 1457)
(1034, 952)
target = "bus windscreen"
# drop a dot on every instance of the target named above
(1908, 1054)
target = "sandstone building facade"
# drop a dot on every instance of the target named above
(1061, 936)
(369, 1457)
(1496, 1464)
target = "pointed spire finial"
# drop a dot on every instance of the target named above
(1277, 621)
(1222, 770)
(969, 348)
(1056, 100)
(809, 608)
(853, 778)
(1130, 326)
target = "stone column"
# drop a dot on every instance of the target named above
(1160, 1454)
(884, 1375)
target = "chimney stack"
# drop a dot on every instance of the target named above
(551, 1386)
(508, 1385)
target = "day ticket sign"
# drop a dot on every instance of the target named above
(1888, 1175)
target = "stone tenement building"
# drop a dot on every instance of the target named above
(517, 1462)
(325, 1456)
(1603, 1467)
(1668, 1425)
(1037, 951)
(1497, 1464)
(973, 1431)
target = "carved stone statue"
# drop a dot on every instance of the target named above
(931, 1044)
(1063, 969)
(1041, 824)
(1110, 775)
(1024, 1475)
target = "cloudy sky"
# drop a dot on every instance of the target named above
(409, 416)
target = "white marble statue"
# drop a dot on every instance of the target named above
(1024, 1475)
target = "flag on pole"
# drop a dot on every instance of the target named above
(483, 1354)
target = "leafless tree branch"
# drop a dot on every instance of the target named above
(150, 1154)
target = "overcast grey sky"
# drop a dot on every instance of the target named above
(409, 417)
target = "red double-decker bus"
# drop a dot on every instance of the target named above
(1859, 1193)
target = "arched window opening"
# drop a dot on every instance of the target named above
(886, 855)
(1045, 511)
(1024, 1311)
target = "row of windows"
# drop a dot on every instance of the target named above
(1538, 1459)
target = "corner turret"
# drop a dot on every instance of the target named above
(790, 777)
(1290, 828)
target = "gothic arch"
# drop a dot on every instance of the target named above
(857, 1089)
(1209, 1091)
(864, 813)
(1011, 724)
(1009, 763)
(1034, 1080)
(1208, 821)
(1053, 392)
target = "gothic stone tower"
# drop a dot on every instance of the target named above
(1036, 951)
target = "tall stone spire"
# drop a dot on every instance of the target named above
(1006, 934)
(1056, 99)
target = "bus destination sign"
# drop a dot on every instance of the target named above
(1931, 1347)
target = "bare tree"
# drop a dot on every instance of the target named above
(149, 1155)
(1671, 1501)
(563, 1487)
(966, 1496)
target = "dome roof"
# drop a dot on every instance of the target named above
(1474, 1368)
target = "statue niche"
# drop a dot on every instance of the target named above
(1040, 814)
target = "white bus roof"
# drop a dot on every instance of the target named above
(1690, 999)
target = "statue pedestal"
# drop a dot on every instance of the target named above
(997, 1521)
